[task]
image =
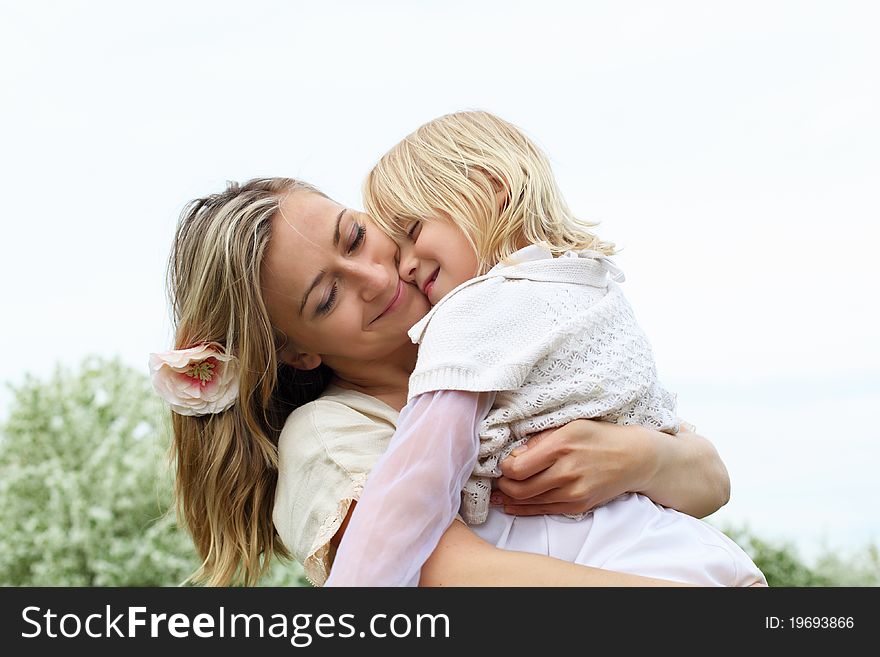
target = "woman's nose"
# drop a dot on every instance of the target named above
(375, 280)
(408, 265)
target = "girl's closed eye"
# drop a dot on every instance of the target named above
(413, 231)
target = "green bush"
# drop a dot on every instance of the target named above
(783, 566)
(85, 487)
(861, 568)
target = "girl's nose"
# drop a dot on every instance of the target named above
(408, 263)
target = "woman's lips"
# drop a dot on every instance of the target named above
(396, 299)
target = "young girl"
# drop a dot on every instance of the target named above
(528, 332)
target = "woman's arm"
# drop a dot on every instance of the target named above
(689, 475)
(587, 463)
(464, 559)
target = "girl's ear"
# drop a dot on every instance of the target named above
(502, 194)
(299, 359)
(501, 197)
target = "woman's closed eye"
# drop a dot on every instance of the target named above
(357, 236)
(326, 306)
(358, 233)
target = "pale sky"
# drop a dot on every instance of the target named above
(731, 149)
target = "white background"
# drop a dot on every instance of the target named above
(731, 149)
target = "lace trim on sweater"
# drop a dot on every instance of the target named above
(317, 564)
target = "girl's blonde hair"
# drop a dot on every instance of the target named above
(227, 463)
(454, 167)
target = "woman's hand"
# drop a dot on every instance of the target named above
(575, 468)
(587, 463)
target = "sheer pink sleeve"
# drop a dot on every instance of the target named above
(413, 492)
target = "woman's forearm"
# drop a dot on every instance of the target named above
(689, 474)
(463, 559)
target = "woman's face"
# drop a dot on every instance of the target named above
(331, 285)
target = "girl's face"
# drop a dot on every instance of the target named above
(330, 283)
(437, 257)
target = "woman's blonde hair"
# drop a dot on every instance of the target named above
(227, 463)
(454, 167)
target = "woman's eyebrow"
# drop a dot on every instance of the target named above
(320, 276)
(314, 284)
(336, 229)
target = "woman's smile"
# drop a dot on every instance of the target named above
(396, 300)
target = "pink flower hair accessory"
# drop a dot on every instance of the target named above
(197, 381)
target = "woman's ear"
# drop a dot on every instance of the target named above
(298, 359)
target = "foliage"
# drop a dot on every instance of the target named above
(859, 569)
(85, 487)
(783, 566)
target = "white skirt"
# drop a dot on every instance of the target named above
(633, 535)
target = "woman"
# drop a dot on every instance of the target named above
(306, 297)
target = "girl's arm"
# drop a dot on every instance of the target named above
(462, 558)
(414, 491)
(587, 463)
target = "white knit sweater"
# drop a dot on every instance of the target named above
(556, 339)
